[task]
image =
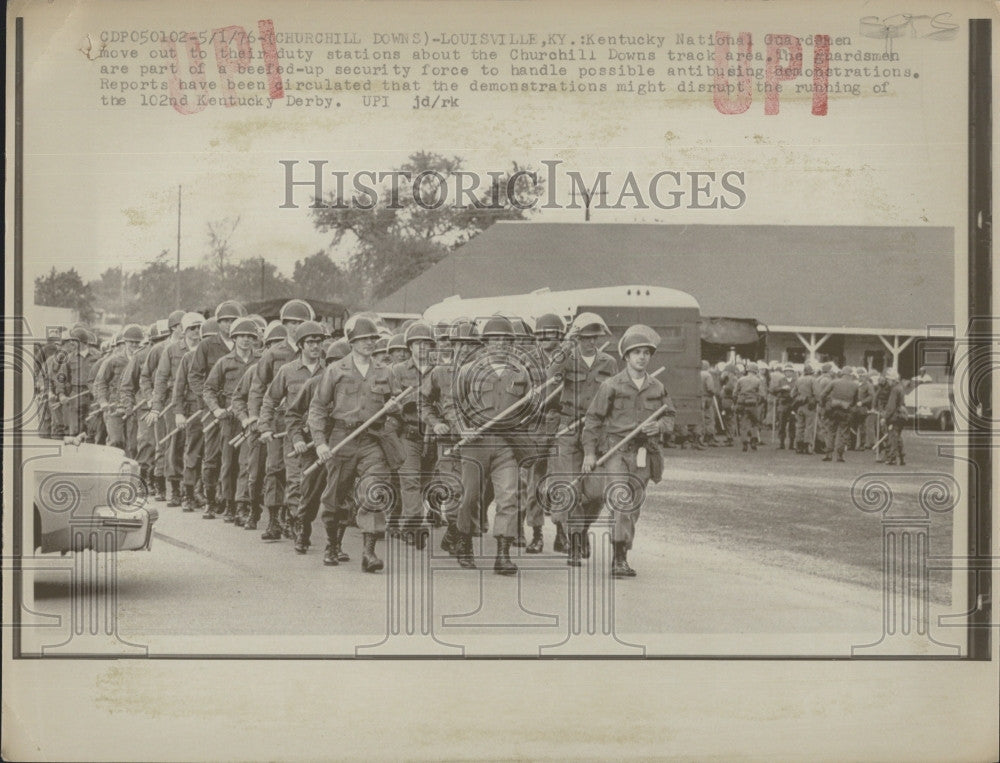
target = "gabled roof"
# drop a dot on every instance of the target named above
(783, 275)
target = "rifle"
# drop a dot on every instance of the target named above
(392, 402)
(621, 443)
(573, 424)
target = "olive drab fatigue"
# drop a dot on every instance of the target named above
(218, 391)
(297, 428)
(163, 390)
(618, 408)
(709, 393)
(804, 402)
(106, 388)
(866, 405)
(535, 462)
(52, 365)
(158, 428)
(189, 405)
(893, 413)
(418, 458)
(824, 428)
(273, 358)
(77, 371)
(750, 392)
(436, 407)
(343, 401)
(97, 430)
(838, 401)
(287, 383)
(250, 479)
(133, 404)
(580, 382)
(784, 415)
(203, 360)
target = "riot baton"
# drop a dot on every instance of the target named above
(621, 443)
(357, 432)
(722, 424)
(574, 424)
(166, 408)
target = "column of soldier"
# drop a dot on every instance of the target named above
(228, 416)
(824, 410)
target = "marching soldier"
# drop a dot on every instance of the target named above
(625, 404)
(158, 424)
(782, 386)
(219, 388)
(106, 385)
(97, 432)
(55, 355)
(313, 483)
(582, 372)
(893, 417)
(186, 405)
(208, 352)
(293, 314)
(398, 351)
(709, 401)
(287, 383)
(838, 401)
(351, 392)
(75, 372)
(804, 402)
(380, 355)
(136, 397)
(821, 383)
(750, 392)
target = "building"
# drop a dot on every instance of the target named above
(856, 295)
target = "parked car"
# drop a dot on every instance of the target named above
(931, 403)
(85, 497)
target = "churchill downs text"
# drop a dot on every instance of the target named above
(307, 183)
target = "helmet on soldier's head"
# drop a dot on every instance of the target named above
(752, 367)
(163, 329)
(406, 324)
(825, 368)
(418, 331)
(463, 330)
(209, 328)
(132, 333)
(550, 322)
(441, 329)
(808, 368)
(275, 331)
(789, 367)
(891, 374)
(497, 327)
(360, 327)
(307, 329)
(637, 336)
(522, 332)
(244, 327)
(297, 310)
(259, 320)
(337, 349)
(92, 338)
(79, 333)
(704, 365)
(397, 342)
(229, 310)
(847, 371)
(175, 318)
(191, 320)
(589, 325)
(150, 331)
(381, 346)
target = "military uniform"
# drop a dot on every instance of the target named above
(187, 403)
(77, 373)
(749, 392)
(313, 483)
(138, 435)
(784, 416)
(418, 455)
(163, 385)
(804, 403)
(219, 388)
(838, 401)
(250, 480)
(108, 394)
(157, 427)
(893, 414)
(203, 358)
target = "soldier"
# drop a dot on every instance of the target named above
(285, 386)
(782, 386)
(380, 355)
(867, 409)
(55, 355)
(804, 402)
(352, 390)
(750, 392)
(72, 382)
(582, 372)
(206, 355)
(709, 401)
(727, 401)
(106, 385)
(97, 432)
(186, 404)
(398, 351)
(136, 394)
(218, 391)
(893, 417)
(293, 314)
(418, 456)
(823, 439)
(624, 403)
(168, 331)
(837, 402)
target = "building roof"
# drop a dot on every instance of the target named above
(867, 277)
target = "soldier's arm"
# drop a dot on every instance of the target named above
(322, 398)
(273, 396)
(593, 421)
(427, 402)
(239, 397)
(101, 383)
(213, 384)
(296, 411)
(448, 403)
(127, 385)
(161, 382)
(666, 421)
(198, 369)
(261, 378)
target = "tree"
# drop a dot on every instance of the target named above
(65, 289)
(220, 252)
(409, 228)
(256, 279)
(319, 277)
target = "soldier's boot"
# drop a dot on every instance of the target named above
(161, 487)
(342, 555)
(199, 493)
(146, 478)
(369, 559)
(840, 456)
(902, 461)
(828, 457)
(210, 507)
(503, 564)
(697, 443)
(746, 446)
(620, 567)
(537, 544)
(575, 558)
(561, 544)
(753, 443)
(464, 552)
(229, 517)
(242, 513)
(305, 532)
(291, 524)
(273, 530)
(330, 552)
(189, 500)
(520, 541)
(175, 493)
(254, 517)
(449, 540)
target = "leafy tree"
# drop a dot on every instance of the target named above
(408, 229)
(65, 289)
(255, 278)
(319, 277)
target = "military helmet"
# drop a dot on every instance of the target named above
(308, 328)
(260, 320)
(381, 346)
(79, 333)
(891, 374)
(752, 367)
(397, 341)
(464, 331)
(209, 328)
(589, 324)
(244, 327)
(175, 318)
(788, 367)
(150, 331)
(418, 330)
(92, 338)
(132, 333)
(637, 336)
(297, 310)
(847, 371)
(275, 331)
(337, 349)
(807, 368)
(190, 320)
(230, 309)
(497, 326)
(163, 328)
(105, 346)
(441, 329)
(550, 322)
(360, 327)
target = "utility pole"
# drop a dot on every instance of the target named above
(177, 294)
(262, 278)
